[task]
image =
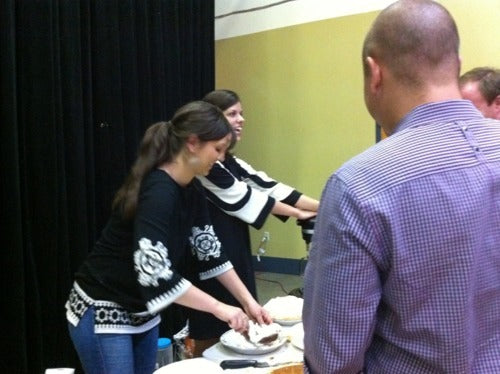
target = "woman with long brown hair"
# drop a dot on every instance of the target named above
(159, 224)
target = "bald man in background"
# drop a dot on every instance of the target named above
(404, 268)
(482, 87)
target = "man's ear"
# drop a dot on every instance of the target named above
(192, 143)
(496, 106)
(375, 74)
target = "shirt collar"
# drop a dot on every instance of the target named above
(441, 111)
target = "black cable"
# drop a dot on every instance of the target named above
(273, 281)
(252, 9)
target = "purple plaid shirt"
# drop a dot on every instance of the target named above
(404, 267)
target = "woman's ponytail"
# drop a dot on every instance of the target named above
(153, 151)
(163, 141)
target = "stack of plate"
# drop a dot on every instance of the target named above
(296, 335)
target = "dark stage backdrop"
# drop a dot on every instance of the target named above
(79, 83)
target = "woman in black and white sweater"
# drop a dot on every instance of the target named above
(158, 228)
(240, 196)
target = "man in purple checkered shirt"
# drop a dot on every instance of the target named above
(404, 267)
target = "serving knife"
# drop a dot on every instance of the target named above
(238, 364)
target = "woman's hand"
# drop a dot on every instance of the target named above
(234, 316)
(199, 300)
(233, 283)
(305, 214)
(258, 313)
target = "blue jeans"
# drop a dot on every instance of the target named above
(113, 353)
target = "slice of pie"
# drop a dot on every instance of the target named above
(263, 334)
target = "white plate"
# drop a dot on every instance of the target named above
(192, 365)
(296, 334)
(287, 322)
(235, 341)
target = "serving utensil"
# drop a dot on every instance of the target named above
(238, 364)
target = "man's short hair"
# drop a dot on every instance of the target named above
(488, 79)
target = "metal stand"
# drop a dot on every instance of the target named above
(307, 228)
(299, 292)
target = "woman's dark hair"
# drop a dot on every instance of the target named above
(222, 99)
(163, 141)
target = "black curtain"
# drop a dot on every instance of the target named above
(80, 81)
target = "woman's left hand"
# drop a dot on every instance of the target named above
(256, 312)
(305, 214)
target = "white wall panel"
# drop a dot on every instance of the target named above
(282, 14)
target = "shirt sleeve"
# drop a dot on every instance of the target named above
(260, 181)
(250, 198)
(206, 247)
(163, 237)
(154, 258)
(342, 288)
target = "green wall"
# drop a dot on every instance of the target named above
(302, 95)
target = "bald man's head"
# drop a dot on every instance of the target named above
(417, 40)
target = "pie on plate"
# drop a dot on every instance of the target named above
(285, 310)
(289, 369)
(237, 342)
